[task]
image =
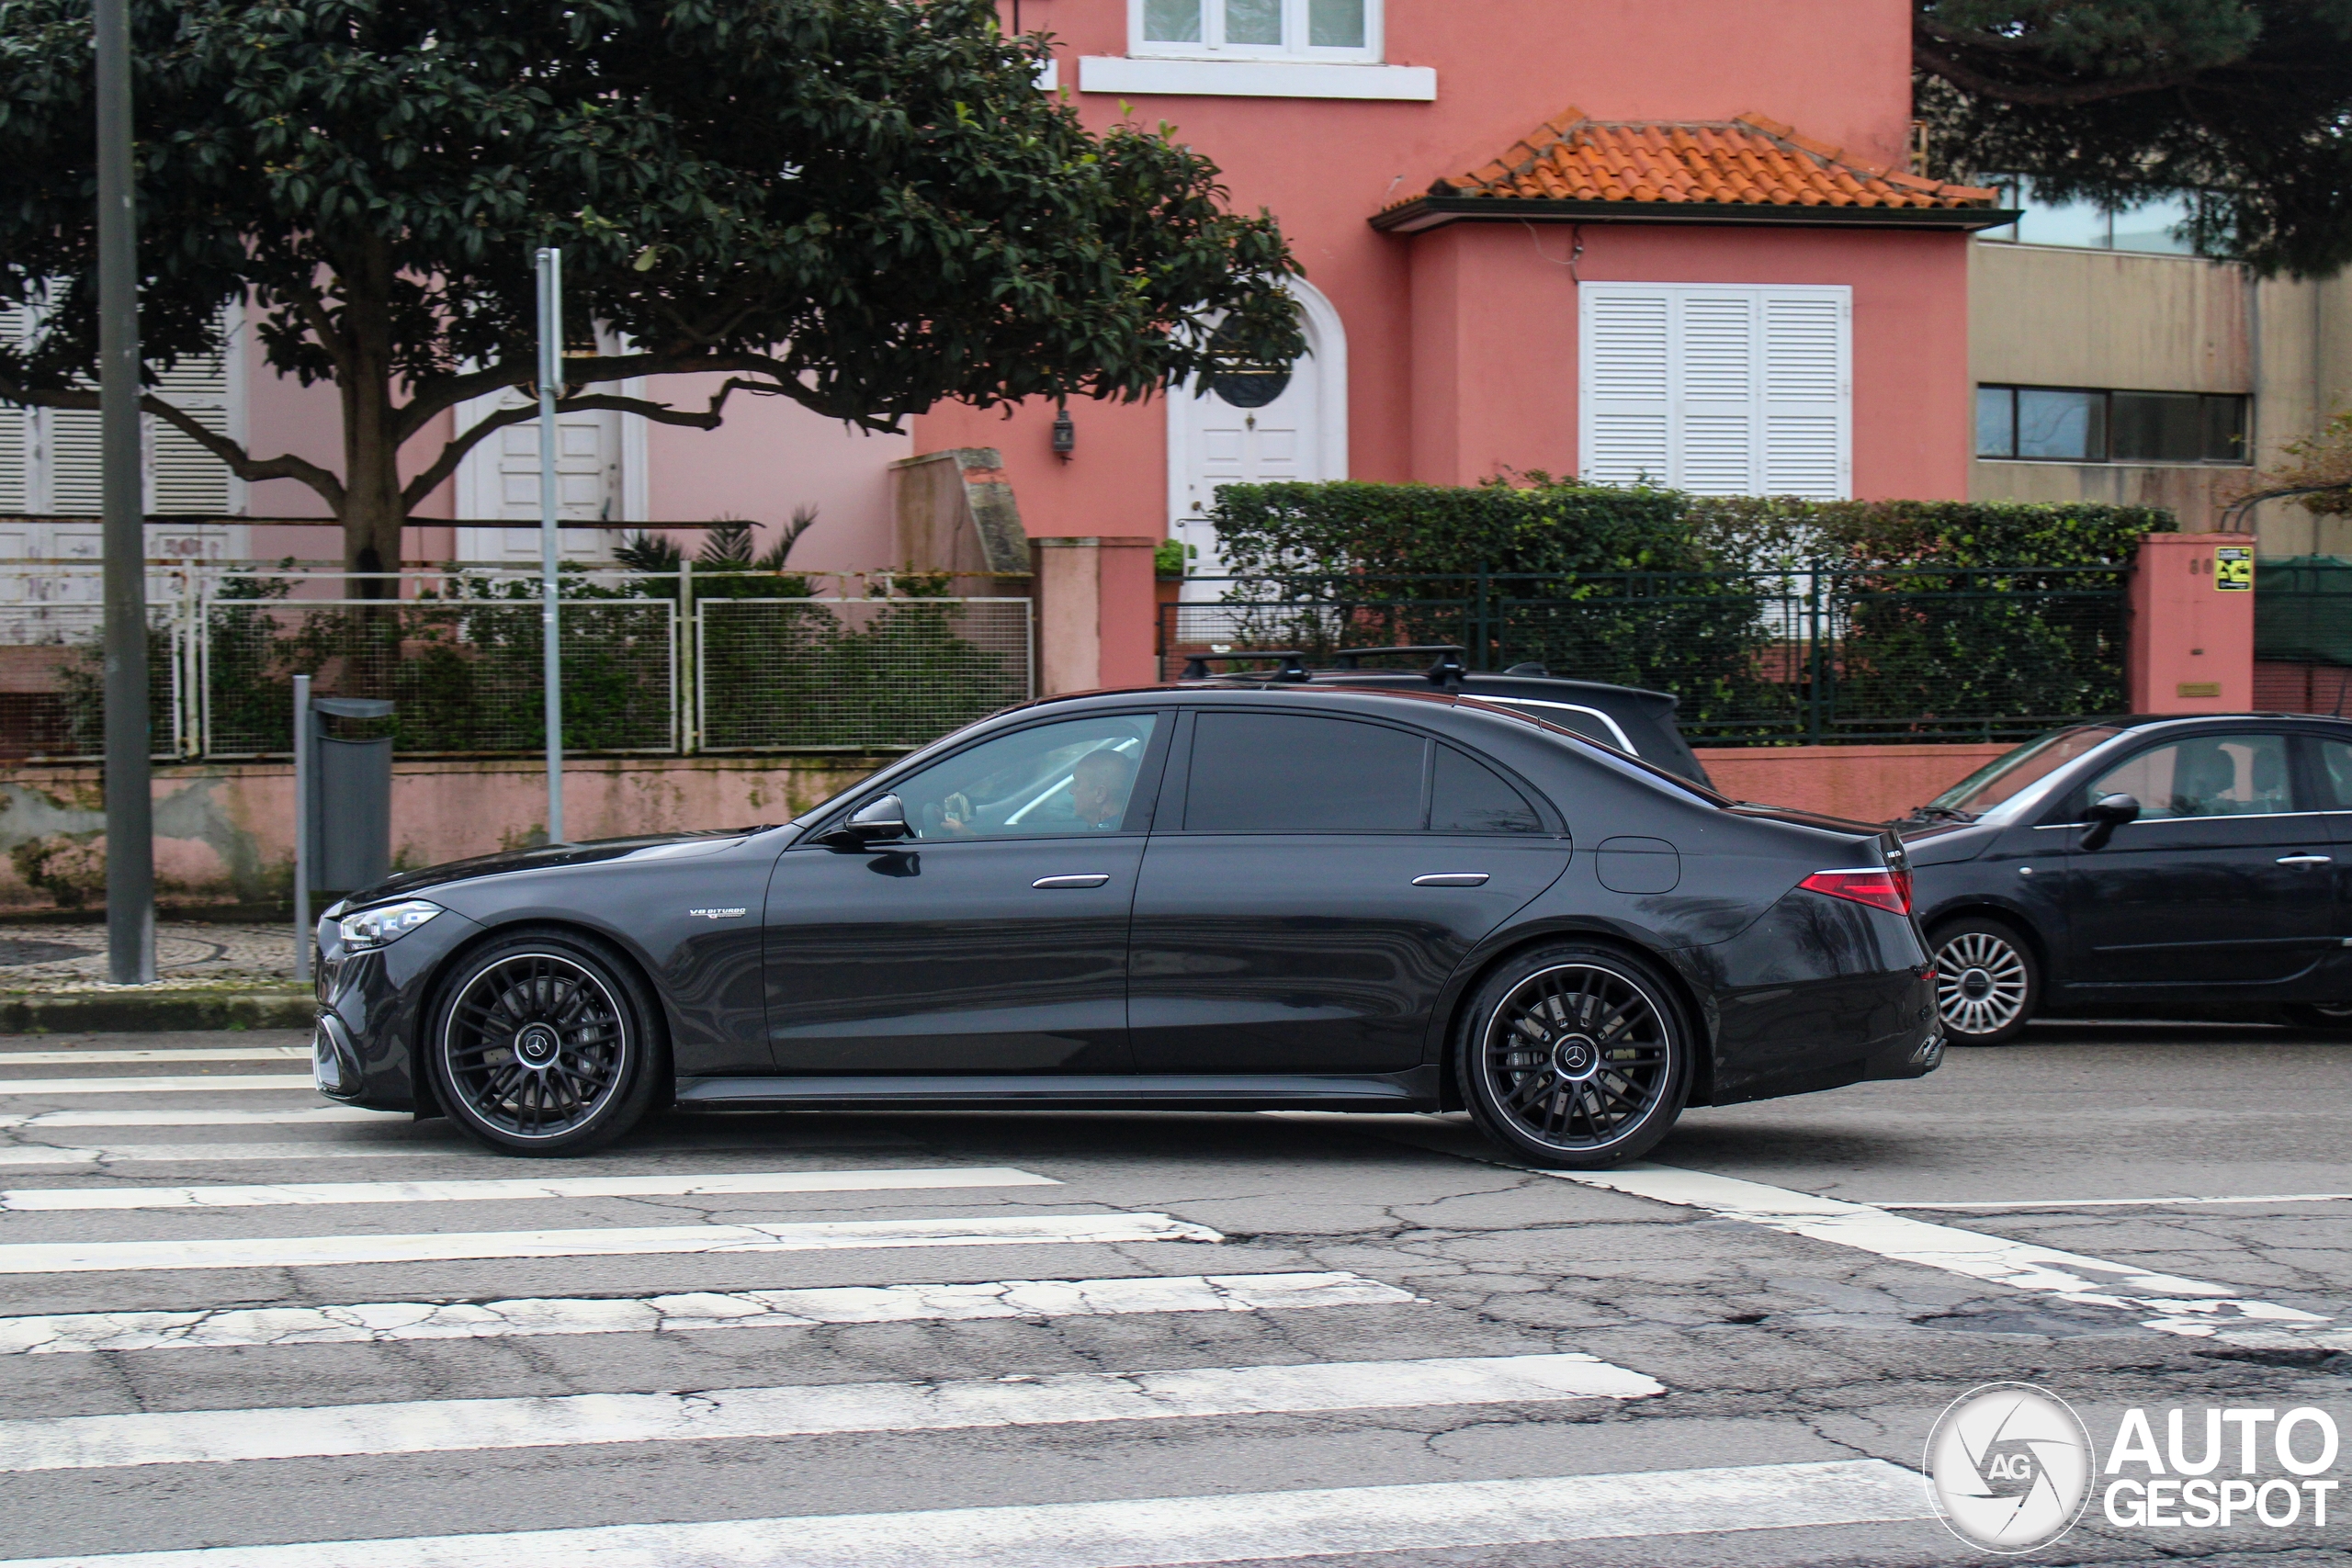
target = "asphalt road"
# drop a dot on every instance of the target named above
(232, 1317)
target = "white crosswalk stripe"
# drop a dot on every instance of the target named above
(295, 1116)
(182, 1054)
(29, 1200)
(693, 1312)
(18, 1089)
(1154, 1533)
(208, 1436)
(34, 1154)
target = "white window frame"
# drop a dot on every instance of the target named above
(1677, 403)
(1212, 44)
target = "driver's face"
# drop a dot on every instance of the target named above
(1091, 794)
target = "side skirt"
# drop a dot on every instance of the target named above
(1413, 1091)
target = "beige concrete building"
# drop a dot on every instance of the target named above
(2148, 377)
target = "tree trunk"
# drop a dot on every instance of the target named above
(373, 513)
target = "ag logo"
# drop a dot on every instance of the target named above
(2010, 1467)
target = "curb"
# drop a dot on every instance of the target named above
(155, 1011)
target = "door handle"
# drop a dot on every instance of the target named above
(2306, 860)
(1452, 879)
(1092, 879)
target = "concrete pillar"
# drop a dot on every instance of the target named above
(1096, 613)
(2192, 623)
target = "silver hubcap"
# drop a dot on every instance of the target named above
(1980, 984)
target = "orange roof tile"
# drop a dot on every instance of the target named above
(1750, 160)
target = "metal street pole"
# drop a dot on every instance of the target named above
(550, 271)
(303, 828)
(131, 825)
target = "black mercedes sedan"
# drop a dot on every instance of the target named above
(2175, 865)
(1206, 897)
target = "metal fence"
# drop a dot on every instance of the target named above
(1822, 653)
(661, 663)
(2302, 610)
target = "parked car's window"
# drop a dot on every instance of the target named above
(1297, 773)
(1078, 777)
(1467, 796)
(2209, 775)
(2011, 771)
(2336, 774)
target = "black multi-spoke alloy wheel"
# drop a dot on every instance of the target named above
(1575, 1056)
(543, 1043)
(1988, 984)
(2321, 1015)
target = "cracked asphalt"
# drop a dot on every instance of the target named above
(1773, 1348)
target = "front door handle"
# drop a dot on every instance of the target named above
(1092, 879)
(1452, 879)
(2306, 860)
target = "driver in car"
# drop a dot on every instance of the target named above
(1098, 790)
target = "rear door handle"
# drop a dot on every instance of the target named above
(1092, 879)
(2306, 860)
(1452, 879)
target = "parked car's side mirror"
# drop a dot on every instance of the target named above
(2108, 813)
(879, 822)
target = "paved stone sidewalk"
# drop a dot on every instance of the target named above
(73, 958)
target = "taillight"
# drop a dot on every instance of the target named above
(1878, 886)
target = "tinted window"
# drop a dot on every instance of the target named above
(1292, 774)
(2214, 775)
(2335, 774)
(1078, 777)
(1467, 796)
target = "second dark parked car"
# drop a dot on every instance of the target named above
(2180, 864)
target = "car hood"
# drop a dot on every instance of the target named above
(1942, 843)
(546, 857)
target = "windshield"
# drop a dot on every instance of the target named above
(2016, 770)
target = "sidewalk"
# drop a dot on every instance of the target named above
(207, 976)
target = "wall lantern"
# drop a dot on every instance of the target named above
(1065, 435)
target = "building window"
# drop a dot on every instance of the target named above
(2150, 226)
(2078, 424)
(1716, 389)
(1256, 30)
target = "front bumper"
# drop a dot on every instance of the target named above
(372, 1014)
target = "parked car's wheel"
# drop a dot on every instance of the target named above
(2321, 1015)
(1573, 1056)
(1988, 986)
(544, 1042)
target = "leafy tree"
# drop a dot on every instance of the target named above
(2243, 106)
(863, 206)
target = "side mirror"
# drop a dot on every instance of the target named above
(879, 822)
(2108, 813)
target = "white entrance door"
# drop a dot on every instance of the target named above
(1253, 429)
(500, 479)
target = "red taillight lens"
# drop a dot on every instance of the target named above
(1875, 886)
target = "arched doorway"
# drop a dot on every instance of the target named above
(1253, 427)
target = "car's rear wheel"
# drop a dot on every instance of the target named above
(2321, 1015)
(1988, 986)
(1576, 1056)
(543, 1043)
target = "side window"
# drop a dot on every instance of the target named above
(2214, 776)
(2336, 776)
(1055, 780)
(1297, 773)
(1467, 796)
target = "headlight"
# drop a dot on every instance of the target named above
(384, 923)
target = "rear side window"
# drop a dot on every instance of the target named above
(1467, 796)
(2336, 776)
(1298, 774)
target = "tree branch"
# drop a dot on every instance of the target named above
(246, 466)
(435, 397)
(1969, 80)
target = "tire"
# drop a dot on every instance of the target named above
(2321, 1015)
(1988, 983)
(545, 1042)
(1575, 1057)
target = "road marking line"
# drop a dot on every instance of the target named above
(293, 1116)
(2120, 1202)
(182, 1153)
(18, 1089)
(1155, 1532)
(2194, 1307)
(328, 1251)
(196, 1053)
(449, 1426)
(31, 1199)
(695, 1311)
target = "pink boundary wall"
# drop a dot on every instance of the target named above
(1866, 784)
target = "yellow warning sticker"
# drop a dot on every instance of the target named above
(2233, 567)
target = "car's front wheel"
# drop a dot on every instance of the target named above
(1576, 1056)
(2321, 1015)
(543, 1043)
(1988, 986)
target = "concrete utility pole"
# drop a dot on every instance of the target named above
(550, 270)
(131, 819)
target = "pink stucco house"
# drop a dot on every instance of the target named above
(1713, 271)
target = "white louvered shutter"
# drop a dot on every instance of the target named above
(16, 432)
(1717, 390)
(182, 476)
(68, 459)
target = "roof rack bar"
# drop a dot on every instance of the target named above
(1293, 668)
(1348, 656)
